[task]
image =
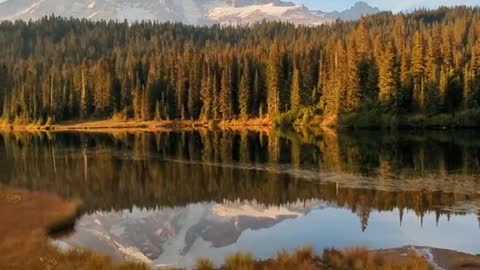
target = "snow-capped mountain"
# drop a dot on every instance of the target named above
(353, 13)
(197, 12)
(178, 236)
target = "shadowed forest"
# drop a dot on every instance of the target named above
(419, 69)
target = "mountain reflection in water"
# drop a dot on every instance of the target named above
(168, 198)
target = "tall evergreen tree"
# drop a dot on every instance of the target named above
(295, 91)
(388, 81)
(274, 80)
(226, 94)
(352, 83)
(418, 69)
(245, 92)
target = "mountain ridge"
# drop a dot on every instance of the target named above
(195, 12)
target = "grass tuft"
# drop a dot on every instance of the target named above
(239, 261)
(204, 264)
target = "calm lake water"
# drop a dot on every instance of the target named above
(169, 198)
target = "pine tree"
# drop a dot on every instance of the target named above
(364, 43)
(352, 83)
(226, 94)
(295, 92)
(387, 78)
(245, 92)
(194, 88)
(322, 77)
(468, 98)
(257, 91)
(432, 60)
(274, 80)
(475, 71)
(418, 70)
(206, 94)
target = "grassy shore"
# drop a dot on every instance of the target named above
(142, 126)
(27, 219)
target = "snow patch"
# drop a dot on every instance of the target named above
(428, 255)
(256, 211)
(91, 16)
(243, 12)
(29, 10)
(251, 14)
(92, 5)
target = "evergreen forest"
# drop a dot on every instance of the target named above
(416, 69)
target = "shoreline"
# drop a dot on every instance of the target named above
(260, 125)
(263, 125)
(29, 221)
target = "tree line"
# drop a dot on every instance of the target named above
(425, 63)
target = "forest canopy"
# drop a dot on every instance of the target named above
(423, 65)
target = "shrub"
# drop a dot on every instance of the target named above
(305, 117)
(120, 116)
(204, 264)
(440, 121)
(21, 120)
(285, 119)
(40, 121)
(417, 120)
(49, 122)
(374, 118)
(467, 118)
(303, 259)
(239, 261)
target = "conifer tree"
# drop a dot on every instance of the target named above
(206, 94)
(274, 80)
(352, 83)
(226, 94)
(245, 92)
(418, 69)
(387, 80)
(295, 91)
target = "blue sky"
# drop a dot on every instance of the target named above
(394, 5)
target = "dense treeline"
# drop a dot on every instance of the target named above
(424, 64)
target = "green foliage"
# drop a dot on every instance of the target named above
(468, 118)
(373, 117)
(285, 119)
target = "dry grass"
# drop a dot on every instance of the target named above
(305, 259)
(466, 264)
(27, 219)
(119, 123)
(239, 261)
(204, 264)
(360, 258)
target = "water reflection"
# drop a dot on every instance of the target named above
(170, 197)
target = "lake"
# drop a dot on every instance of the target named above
(169, 198)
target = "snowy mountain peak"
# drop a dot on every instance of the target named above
(198, 12)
